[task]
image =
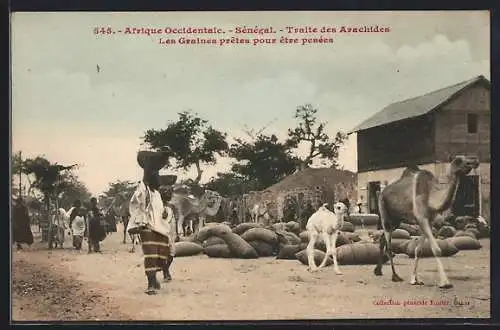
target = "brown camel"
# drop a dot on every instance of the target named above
(417, 197)
(186, 205)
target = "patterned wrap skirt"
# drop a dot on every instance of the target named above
(156, 249)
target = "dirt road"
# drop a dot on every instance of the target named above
(67, 285)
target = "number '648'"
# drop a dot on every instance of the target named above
(102, 30)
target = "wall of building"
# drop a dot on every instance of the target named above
(396, 144)
(438, 169)
(451, 133)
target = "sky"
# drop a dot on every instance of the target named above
(66, 109)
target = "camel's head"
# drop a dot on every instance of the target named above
(211, 197)
(462, 165)
(339, 208)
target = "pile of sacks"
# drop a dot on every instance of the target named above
(283, 240)
(351, 249)
(247, 240)
(450, 240)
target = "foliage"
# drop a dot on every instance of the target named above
(119, 188)
(230, 184)
(309, 130)
(263, 161)
(48, 177)
(73, 189)
(52, 180)
(190, 141)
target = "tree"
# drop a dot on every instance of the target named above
(264, 161)
(190, 141)
(71, 190)
(119, 188)
(55, 181)
(19, 171)
(312, 132)
(229, 184)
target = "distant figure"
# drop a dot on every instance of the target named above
(21, 229)
(289, 210)
(95, 229)
(347, 204)
(360, 205)
(78, 224)
(306, 214)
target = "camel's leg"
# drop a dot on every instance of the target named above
(310, 250)
(388, 249)
(380, 262)
(132, 238)
(424, 223)
(125, 225)
(201, 222)
(333, 248)
(180, 224)
(190, 226)
(414, 279)
(385, 241)
(326, 239)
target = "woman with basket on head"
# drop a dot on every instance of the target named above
(149, 219)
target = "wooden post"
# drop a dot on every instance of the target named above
(20, 173)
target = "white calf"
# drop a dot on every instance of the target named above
(327, 224)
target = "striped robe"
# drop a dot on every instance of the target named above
(146, 210)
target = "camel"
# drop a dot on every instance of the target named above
(120, 207)
(186, 205)
(417, 197)
(326, 224)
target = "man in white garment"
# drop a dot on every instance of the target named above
(147, 219)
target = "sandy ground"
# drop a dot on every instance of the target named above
(69, 285)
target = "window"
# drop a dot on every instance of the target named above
(472, 123)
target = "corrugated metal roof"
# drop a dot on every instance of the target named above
(416, 106)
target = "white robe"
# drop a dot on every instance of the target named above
(151, 214)
(78, 226)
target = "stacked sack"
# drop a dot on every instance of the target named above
(450, 240)
(349, 246)
(286, 241)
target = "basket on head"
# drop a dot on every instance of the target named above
(152, 160)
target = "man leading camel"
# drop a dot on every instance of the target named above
(417, 197)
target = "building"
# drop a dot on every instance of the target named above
(427, 130)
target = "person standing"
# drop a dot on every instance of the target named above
(21, 226)
(149, 220)
(78, 224)
(168, 217)
(95, 228)
(306, 214)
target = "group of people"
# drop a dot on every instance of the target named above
(151, 217)
(87, 224)
(82, 224)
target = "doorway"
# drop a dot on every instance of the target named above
(466, 202)
(373, 191)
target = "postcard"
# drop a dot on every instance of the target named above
(265, 165)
